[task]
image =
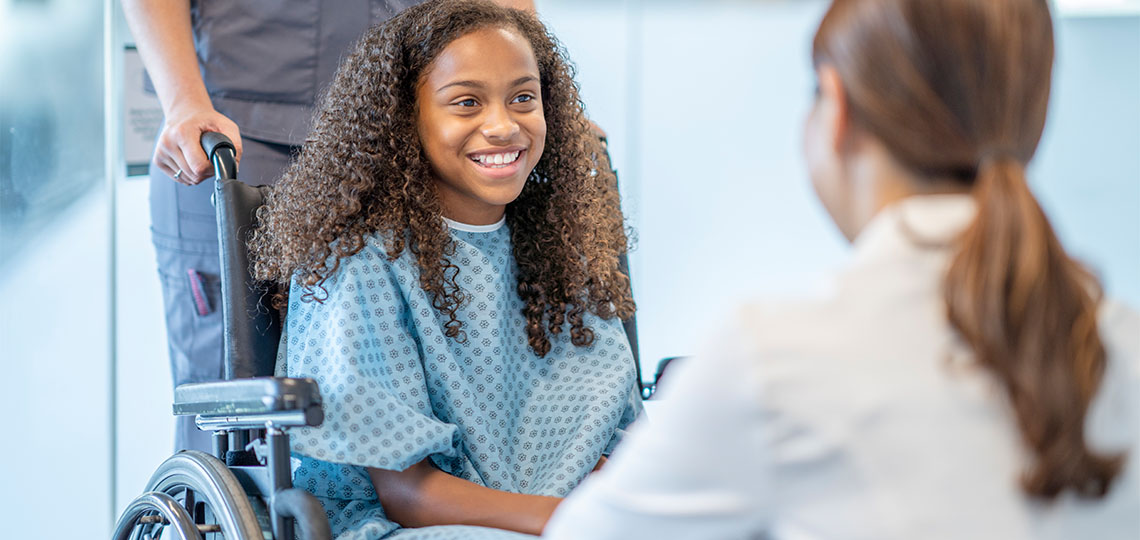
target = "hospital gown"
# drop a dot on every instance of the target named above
(485, 409)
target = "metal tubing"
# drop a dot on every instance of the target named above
(281, 476)
(310, 515)
(166, 506)
(221, 444)
(251, 421)
(239, 438)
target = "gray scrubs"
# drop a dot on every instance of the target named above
(263, 62)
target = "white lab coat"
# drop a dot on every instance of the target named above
(857, 416)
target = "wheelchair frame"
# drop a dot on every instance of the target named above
(245, 487)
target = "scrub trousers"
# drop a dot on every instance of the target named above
(185, 236)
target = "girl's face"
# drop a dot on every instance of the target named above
(480, 122)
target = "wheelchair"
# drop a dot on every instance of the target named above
(244, 489)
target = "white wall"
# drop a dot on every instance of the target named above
(1087, 170)
(707, 144)
(145, 435)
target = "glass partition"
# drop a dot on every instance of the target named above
(55, 271)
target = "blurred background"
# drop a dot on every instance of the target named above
(703, 103)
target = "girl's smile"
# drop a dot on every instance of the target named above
(481, 122)
(499, 162)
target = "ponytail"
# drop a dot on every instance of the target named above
(1028, 312)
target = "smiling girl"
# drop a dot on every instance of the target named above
(451, 252)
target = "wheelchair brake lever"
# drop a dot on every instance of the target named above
(260, 449)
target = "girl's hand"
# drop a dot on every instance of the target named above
(422, 496)
(179, 146)
(601, 463)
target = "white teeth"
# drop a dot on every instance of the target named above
(497, 160)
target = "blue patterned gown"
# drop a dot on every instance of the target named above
(488, 410)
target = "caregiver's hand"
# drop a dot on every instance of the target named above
(179, 147)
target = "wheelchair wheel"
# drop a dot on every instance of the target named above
(210, 494)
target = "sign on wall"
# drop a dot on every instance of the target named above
(142, 115)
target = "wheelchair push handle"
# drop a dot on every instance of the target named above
(222, 153)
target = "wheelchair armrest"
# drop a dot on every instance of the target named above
(258, 401)
(648, 390)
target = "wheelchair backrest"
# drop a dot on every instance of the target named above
(252, 326)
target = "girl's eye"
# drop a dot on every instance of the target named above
(523, 98)
(469, 102)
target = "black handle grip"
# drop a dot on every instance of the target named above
(212, 141)
(222, 152)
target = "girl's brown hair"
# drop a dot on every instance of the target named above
(959, 89)
(363, 171)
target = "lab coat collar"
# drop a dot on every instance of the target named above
(919, 222)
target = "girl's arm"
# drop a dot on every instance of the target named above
(423, 495)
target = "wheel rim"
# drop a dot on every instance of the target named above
(213, 484)
(152, 503)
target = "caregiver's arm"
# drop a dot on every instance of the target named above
(162, 33)
(695, 468)
(423, 495)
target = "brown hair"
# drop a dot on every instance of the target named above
(363, 171)
(959, 89)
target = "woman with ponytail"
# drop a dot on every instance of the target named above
(963, 379)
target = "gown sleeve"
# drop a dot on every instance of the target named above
(360, 346)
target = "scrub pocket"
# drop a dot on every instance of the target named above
(191, 292)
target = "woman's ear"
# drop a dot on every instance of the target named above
(836, 121)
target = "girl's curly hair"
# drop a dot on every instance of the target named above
(363, 171)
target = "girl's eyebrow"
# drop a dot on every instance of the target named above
(480, 85)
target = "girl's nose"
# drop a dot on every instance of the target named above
(498, 125)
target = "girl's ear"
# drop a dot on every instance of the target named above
(835, 112)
